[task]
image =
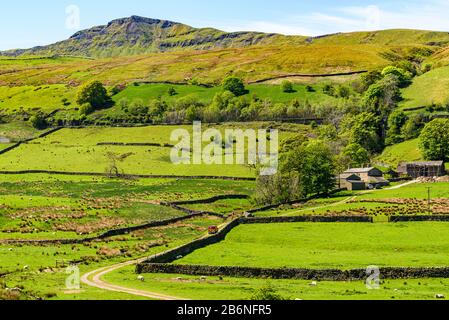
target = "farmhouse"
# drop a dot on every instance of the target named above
(422, 169)
(368, 176)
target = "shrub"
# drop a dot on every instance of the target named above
(86, 109)
(266, 293)
(234, 85)
(172, 91)
(38, 121)
(287, 86)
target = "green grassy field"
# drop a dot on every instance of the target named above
(64, 207)
(34, 269)
(430, 88)
(214, 288)
(18, 131)
(407, 151)
(45, 97)
(147, 92)
(77, 150)
(320, 245)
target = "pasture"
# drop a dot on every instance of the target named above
(78, 150)
(221, 288)
(407, 151)
(435, 84)
(323, 246)
(148, 92)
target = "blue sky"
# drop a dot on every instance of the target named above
(29, 23)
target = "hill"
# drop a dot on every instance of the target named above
(392, 37)
(138, 35)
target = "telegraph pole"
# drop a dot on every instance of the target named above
(429, 201)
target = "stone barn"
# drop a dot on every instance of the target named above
(422, 169)
(370, 177)
(352, 182)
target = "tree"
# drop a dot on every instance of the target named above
(267, 293)
(413, 126)
(86, 109)
(434, 140)
(382, 96)
(172, 91)
(363, 130)
(94, 93)
(358, 155)
(342, 91)
(138, 108)
(403, 76)
(312, 164)
(287, 86)
(396, 121)
(38, 121)
(234, 85)
(368, 79)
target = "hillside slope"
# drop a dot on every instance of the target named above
(138, 35)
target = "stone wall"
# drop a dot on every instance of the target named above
(291, 273)
(105, 235)
(172, 255)
(423, 218)
(358, 219)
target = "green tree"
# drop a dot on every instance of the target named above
(234, 85)
(313, 164)
(94, 93)
(363, 129)
(383, 96)
(138, 108)
(413, 126)
(368, 79)
(172, 91)
(38, 121)
(434, 140)
(396, 122)
(403, 76)
(266, 293)
(86, 109)
(287, 86)
(358, 155)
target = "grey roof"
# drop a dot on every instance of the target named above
(424, 163)
(378, 180)
(359, 170)
(350, 176)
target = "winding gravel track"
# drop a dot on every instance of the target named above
(94, 279)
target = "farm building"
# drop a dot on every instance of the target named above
(422, 169)
(369, 176)
(351, 182)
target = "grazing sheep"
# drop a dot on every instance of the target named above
(179, 257)
(313, 284)
(440, 296)
(141, 278)
(26, 267)
(203, 278)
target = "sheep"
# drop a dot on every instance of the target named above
(179, 257)
(141, 278)
(440, 296)
(313, 284)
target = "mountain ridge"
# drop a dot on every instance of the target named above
(140, 35)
